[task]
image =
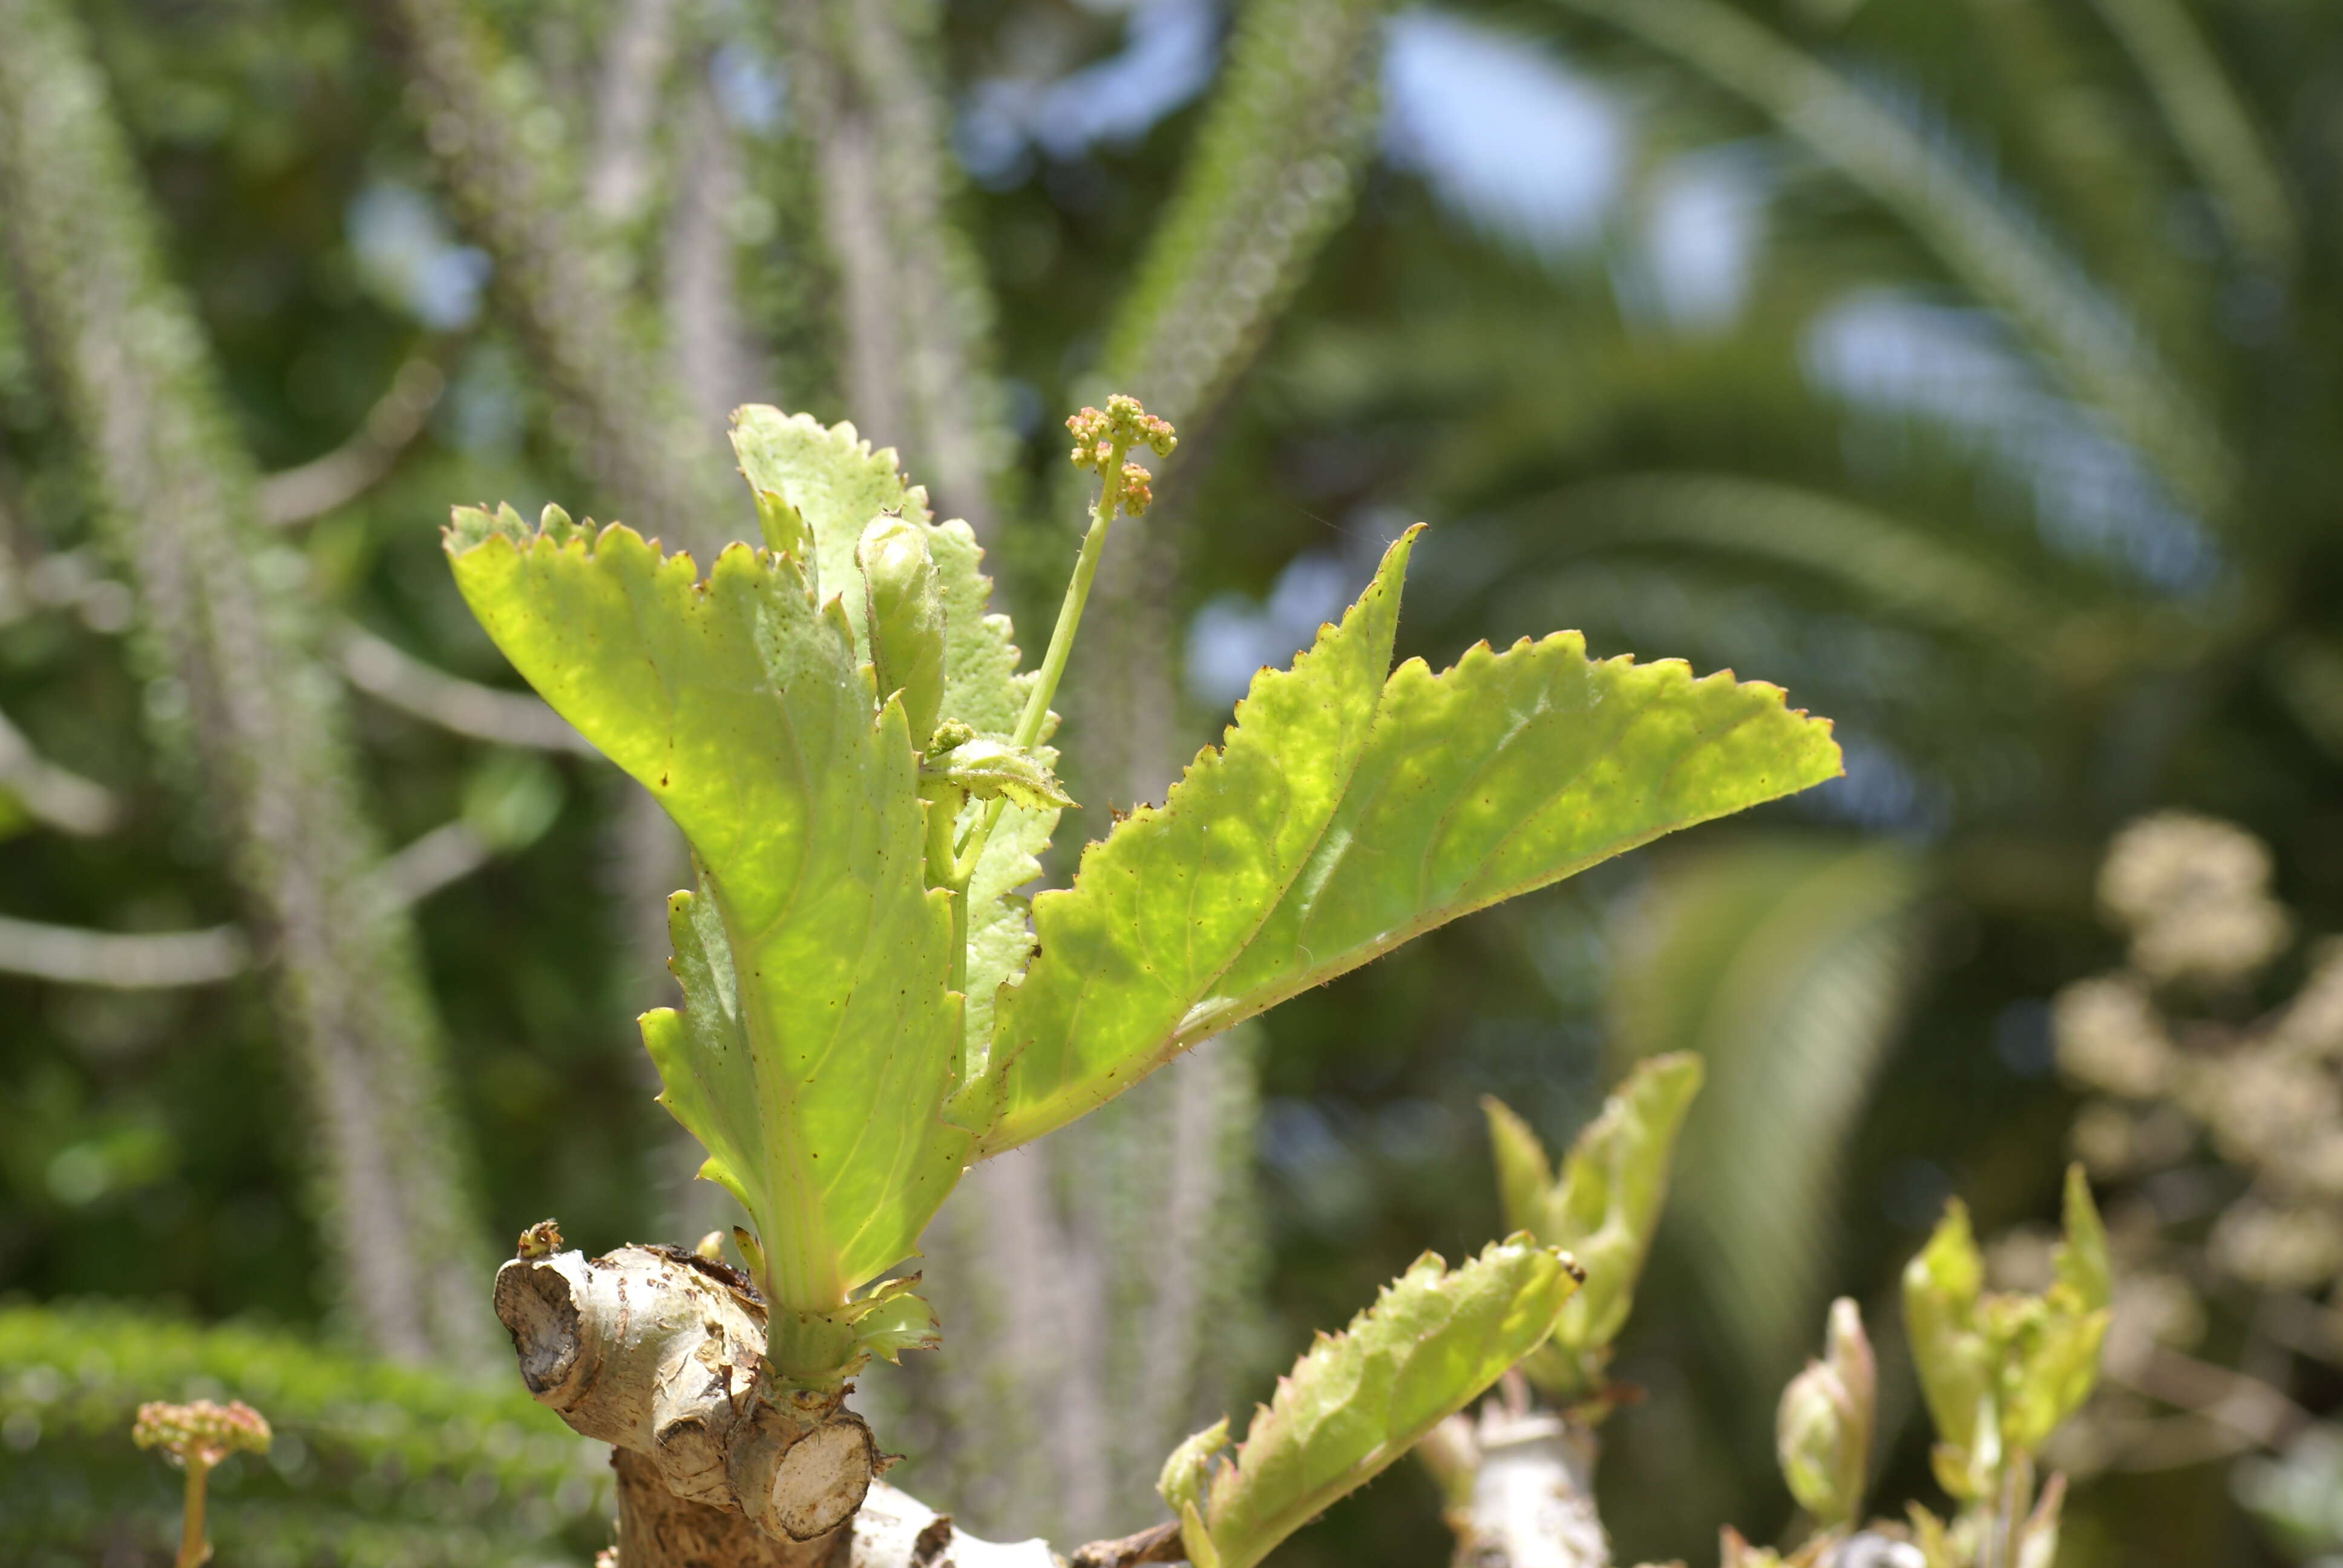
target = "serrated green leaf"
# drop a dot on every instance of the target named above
(1357, 1401)
(1346, 813)
(823, 481)
(829, 482)
(833, 481)
(783, 527)
(1000, 941)
(818, 1039)
(469, 526)
(999, 931)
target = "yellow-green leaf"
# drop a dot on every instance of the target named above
(1950, 1350)
(2054, 1364)
(1351, 807)
(827, 483)
(1823, 1428)
(1525, 1175)
(818, 1038)
(1356, 1400)
(1607, 1205)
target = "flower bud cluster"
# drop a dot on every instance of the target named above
(1102, 437)
(202, 1434)
(1136, 495)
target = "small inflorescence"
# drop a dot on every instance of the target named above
(1103, 438)
(202, 1434)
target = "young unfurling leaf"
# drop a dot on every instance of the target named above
(2001, 1371)
(818, 1038)
(830, 484)
(1942, 1287)
(1189, 1471)
(903, 610)
(1356, 1400)
(1602, 1209)
(1823, 1430)
(2057, 1361)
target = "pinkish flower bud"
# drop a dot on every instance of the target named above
(202, 1434)
(1137, 496)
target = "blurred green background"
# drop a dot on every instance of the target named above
(1968, 368)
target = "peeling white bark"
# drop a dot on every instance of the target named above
(895, 1530)
(1532, 1503)
(658, 1530)
(657, 1354)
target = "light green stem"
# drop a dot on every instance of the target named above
(192, 1550)
(1053, 669)
(2008, 1510)
(1069, 614)
(943, 806)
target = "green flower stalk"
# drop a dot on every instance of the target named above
(1101, 441)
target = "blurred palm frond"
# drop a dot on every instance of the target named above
(1784, 963)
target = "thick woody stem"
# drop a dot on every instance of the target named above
(658, 1528)
(658, 1353)
(1532, 1494)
